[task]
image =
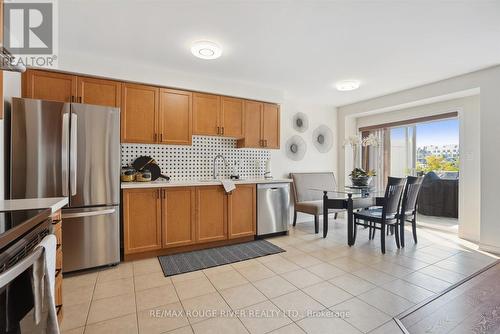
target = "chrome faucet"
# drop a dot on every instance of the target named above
(216, 169)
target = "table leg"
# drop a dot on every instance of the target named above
(350, 220)
(325, 214)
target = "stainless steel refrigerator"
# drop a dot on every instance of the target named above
(71, 150)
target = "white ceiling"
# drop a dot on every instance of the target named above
(299, 47)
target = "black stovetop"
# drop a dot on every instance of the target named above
(14, 224)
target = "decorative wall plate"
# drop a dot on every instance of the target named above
(300, 122)
(323, 138)
(295, 148)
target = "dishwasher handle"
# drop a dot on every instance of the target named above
(272, 186)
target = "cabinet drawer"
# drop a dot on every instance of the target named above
(58, 288)
(59, 258)
(58, 233)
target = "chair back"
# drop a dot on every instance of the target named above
(303, 182)
(410, 194)
(392, 196)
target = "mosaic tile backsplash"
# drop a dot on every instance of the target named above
(196, 161)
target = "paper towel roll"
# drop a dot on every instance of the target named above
(267, 173)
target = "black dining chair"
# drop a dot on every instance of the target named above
(408, 212)
(385, 216)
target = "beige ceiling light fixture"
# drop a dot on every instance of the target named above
(206, 50)
(347, 85)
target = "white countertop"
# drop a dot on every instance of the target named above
(53, 203)
(195, 183)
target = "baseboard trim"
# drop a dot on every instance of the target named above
(489, 248)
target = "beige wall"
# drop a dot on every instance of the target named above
(470, 168)
(488, 82)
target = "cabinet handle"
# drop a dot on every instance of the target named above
(161, 137)
(81, 99)
(265, 142)
(154, 137)
(164, 193)
(222, 131)
(218, 130)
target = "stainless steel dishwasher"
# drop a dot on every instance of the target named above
(273, 208)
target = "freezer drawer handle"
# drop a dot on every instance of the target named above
(88, 213)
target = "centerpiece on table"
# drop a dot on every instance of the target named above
(361, 178)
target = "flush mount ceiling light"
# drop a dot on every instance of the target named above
(206, 50)
(347, 85)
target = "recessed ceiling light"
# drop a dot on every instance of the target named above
(347, 85)
(206, 50)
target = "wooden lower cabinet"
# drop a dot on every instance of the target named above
(178, 218)
(211, 217)
(58, 292)
(241, 211)
(141, 220)
(166, 218)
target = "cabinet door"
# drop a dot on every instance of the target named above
(211, 214)
(271, 125)
(253, 125)
(141, 220)
(175, 117)
(99, 92)
(232, 116)
(139, 113)
(241, 211)
(178, 216)
(206, 110)
(51, 86)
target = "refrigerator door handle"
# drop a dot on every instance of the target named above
(88, 213)
(64, 154)
(74, 153)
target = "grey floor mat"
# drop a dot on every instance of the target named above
(191, 261)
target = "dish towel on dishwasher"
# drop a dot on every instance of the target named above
(44, 270)
(228, 185)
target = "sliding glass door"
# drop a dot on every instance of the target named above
(403, 151)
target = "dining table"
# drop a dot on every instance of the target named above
(348, 198)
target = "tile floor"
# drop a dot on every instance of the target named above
(317, 286)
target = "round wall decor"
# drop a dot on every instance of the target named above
(323, 138)
(300, 122)
(295, 148)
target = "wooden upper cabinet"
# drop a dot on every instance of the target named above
(253, 125)
(232, 117)
(99, 92)
(141, 220)
(271, 125)
(241, 211)
(175, 117)
(206, 111)
(139, 109)
(211, 217)
(51, 86)
(178, 216)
